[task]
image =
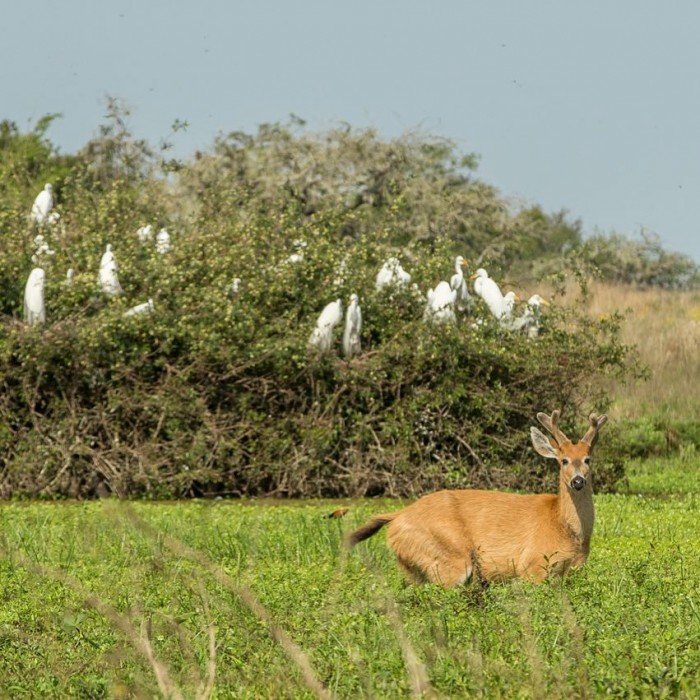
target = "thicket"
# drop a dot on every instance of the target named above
(217, 393)
(642, 262)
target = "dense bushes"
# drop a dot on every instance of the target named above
(642, 262)
(218, 394)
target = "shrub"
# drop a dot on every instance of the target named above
(218, 394)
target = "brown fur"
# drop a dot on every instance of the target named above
(448, 537)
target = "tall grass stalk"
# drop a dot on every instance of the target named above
(293, 650)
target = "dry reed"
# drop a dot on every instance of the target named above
(664, 327)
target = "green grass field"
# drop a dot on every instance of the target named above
(257, 600)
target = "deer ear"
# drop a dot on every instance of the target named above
(542, 444)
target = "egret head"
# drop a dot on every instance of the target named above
(536, 300)
(479, 273)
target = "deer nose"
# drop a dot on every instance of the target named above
(578, 482)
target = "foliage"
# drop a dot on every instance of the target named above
(217, 393)
(85, 585)
(414, 188)
(642, 261)
(664, 475)
(27, 160)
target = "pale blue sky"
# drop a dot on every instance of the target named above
(593, 107)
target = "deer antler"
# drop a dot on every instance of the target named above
(596, 423)
(550, 422)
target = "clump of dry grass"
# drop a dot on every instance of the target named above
(664, 326)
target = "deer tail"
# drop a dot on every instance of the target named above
(369, 529)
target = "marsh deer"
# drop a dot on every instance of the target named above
(448, 537)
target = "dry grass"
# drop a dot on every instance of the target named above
(665, 328)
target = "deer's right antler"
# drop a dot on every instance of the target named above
(550, 422)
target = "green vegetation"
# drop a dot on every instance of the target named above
(215, 395)
(643, 262)
(661, 475)
(84, 586)
(218, 395)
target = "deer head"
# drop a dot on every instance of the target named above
(574, 458)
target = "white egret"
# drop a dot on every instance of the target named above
(489, 291)
(34, 309)
(298, 255)
(70, 275)
(145, 233)
(43, 203)
(108, 279)
(440, 306)
(353, 328)
(331, 316)
(508, 303)
(529, 321)
(459, 284)
(163, 241)
(234, 288)
(391, 273)
(148, 307)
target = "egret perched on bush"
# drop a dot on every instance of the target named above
(459, 284)
(353, 328)
(109, 281)
(298, 255)
(331, 316)
(529, 321)
(34, 310)
(163, 241)
(148, 307)
(391, 273)
(508, 304)
(234, 288)
(489, 291)
(43, 204)
(440, 306)
(145, 233)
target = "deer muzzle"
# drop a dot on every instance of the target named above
(578, 482)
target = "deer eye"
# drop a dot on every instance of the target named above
(586, 460)
(565, 461)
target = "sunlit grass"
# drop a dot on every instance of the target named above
(664, 326)
(679, 475)
(87, 589)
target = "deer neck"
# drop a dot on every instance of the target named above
(576, 512)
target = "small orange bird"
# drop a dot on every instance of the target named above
(339, 513)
